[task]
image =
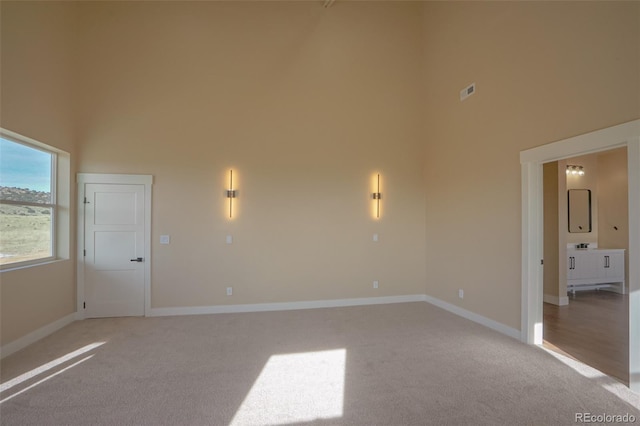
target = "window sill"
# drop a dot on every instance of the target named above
(31, 264)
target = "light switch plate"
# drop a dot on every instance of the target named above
(229, 239)
(165, 239)
(375, 237)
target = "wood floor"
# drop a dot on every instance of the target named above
(594, 329)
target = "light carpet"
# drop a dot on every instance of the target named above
(398, 364)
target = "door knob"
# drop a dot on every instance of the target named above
(137, 259)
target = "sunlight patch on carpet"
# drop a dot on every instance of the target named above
(45, 379)
(607, 382)
(583, 369)
(299, 387)
(48, 366)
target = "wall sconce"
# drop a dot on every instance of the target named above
(377, 196)
(575, 170)
(231, 193)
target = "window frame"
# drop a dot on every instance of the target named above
(54, 205)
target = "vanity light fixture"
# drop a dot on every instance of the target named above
(231, 193)
(377, 196)
(575, 170)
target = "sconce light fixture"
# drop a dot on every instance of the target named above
(575, 170)
(231, 193)
(377, 196)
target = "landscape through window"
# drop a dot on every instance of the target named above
(27, 203)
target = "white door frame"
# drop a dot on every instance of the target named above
(87, 178)
(627, 134)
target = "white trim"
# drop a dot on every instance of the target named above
(532, 253)
(335, 303)
(555, 300)
(487, 322)
(115, 179)
(627, 134)
(285, 306)
(17, 137)
(124, 179)
(36, 335)
(599, 140)
(633, 285)
(45, 331)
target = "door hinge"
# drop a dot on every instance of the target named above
(84, 305)
(542, 261)
(85, 201)
(84, 252)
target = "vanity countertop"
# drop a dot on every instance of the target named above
(595, 249)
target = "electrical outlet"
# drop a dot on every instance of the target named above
(461, 293)
(229, 291)
(375, 284)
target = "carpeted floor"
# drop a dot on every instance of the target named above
(400, 364)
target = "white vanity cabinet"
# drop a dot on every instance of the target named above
(582, 266)
(614, 265)
(595, 268)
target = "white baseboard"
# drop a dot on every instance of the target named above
(36, 335)
(314, 304)
(285, 306)
(494, 325)
(555, 300)
(42, 332)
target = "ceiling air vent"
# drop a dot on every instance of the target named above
(467, 91)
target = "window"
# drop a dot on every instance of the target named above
(27, 202)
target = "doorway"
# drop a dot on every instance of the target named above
(114, 215)
(585, 306)
(627, 134)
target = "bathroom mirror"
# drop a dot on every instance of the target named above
(579, 210)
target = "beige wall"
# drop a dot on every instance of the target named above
(544, 71)
(614, 202)
(551, 253)
(613, 196)
(304, 103)
(563, 226)
(36, 101)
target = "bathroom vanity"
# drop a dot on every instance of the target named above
(593, 268)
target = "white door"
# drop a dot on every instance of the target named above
(114, 244)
